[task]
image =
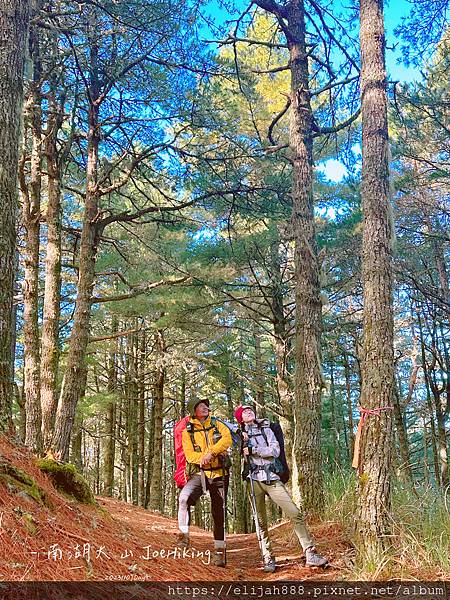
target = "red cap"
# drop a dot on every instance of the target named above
(240, 409)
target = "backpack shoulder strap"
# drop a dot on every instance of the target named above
(190, 430)
(263, 433)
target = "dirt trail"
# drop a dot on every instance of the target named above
(243, 556)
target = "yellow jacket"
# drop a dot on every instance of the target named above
(203, 437)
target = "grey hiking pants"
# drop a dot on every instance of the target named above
(189, 496)
(278, 493)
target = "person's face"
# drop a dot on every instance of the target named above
(248, 416)
(201, 410)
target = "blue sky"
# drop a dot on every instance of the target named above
(394, 11)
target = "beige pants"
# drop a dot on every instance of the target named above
(280, 496)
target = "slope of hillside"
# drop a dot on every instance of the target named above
(46, 536)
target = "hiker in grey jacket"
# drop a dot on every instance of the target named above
(260, 449)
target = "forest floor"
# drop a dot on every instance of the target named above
(59, 539)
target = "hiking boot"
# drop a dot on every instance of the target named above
(269, 565)
(314, 559)
(183, 540)
(218, 558)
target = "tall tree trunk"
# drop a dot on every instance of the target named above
(76, 366)
(308, 372)
(441, 434)
(76, 451)
(141, 423)
(14, 19)
(52, 292)
(156, 491)
(433, 440)
(377, 369)
(31, 193)
(109, 451)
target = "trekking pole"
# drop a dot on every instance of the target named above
(203, 480)
(224, 502)
(259, 532)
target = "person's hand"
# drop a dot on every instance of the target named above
(244, 436)
(245, 451)
(206, 459)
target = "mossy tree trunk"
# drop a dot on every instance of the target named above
(52, 291)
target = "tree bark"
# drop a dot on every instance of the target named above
(14, 19)
(308, 372)
(373, 522)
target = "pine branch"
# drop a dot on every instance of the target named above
(138, 290)
(336, 128)
(332, 85)
(279, 116)
(231, 39)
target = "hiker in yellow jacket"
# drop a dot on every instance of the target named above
(205, 444)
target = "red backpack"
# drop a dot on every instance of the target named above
(180, 459)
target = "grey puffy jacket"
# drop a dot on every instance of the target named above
(262, 453)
